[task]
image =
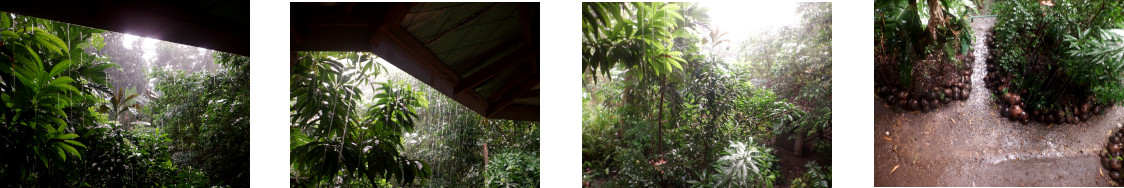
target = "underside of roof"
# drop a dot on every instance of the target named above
(483, 55)
(218, 25)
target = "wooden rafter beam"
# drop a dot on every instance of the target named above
(509, 61)
(480, 58)
(525, 23)
(511, 95)
(394, 15)
(461, 23)
(383, 34)
(498, 105)
(399, 48)
(152, 19)
(496, 95)
(518, 112)
(530, 94)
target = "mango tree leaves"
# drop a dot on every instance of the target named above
(639, 39)
(332, 137)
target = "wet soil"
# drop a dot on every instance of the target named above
(792, 165)
(967, 143)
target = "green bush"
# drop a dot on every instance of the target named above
(1075, 44)
(512, 170)
(745, 165)
(816, 177)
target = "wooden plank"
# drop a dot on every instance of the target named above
(479, 59)
(461, 23)
(518, 112)
(531, 94)
(507, 62)
(396, 46)
(509, 84)
(496, 106)
(151, 19)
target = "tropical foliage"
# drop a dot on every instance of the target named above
(1079, 42)
(331, 132)
(512, 170)
(66, 124)
(816, 177)
(357, 123)
(745, 166)
(661, 99)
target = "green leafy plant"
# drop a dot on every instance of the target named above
(1058, 56)
(636, 35)
(816, 177)
(1097, 59)
(745, 165)
(207, 113)
(42, 84)
(512, 170)
(334, 138)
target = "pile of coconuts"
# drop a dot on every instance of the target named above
(1011, 100)
(1112, 157)
(929, 99)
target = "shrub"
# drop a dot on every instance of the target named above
(817, 177)
(745, 165)
(512, 170)
(1067, 49)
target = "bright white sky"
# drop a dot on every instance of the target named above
(147, 45)
(742, 18)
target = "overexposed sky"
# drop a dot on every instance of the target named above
(741, 18)
(148, 46)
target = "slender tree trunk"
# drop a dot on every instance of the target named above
(798, 146)
(485, 156)
(936, 18)
(659, 120)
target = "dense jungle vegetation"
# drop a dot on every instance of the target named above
(82, 108)
(663, 106)
(1057, 61)
(359, 123)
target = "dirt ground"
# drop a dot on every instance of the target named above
(966, 143)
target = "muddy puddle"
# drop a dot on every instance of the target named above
(966, 143)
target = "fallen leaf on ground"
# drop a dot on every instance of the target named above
(895, 168)
(888, 138)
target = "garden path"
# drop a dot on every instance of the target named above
(967, 143)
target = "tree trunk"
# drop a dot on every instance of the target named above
(936, 18)
(659, 121)
(798, 145)
(485, 156)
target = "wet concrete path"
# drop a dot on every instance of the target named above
(967, 143)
